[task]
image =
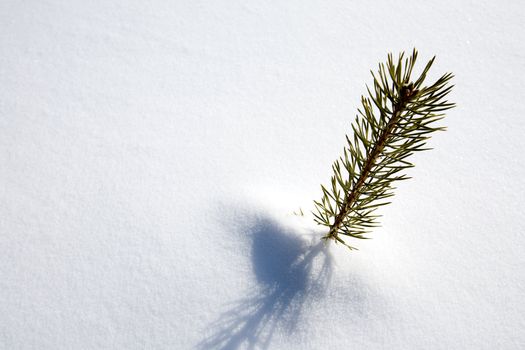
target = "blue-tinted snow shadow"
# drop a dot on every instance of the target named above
(289, 272)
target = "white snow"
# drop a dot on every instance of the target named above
(152, 154)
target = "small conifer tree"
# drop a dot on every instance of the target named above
(395, 120)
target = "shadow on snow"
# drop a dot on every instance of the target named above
(289, 272)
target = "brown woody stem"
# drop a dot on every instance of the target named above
(406, 93)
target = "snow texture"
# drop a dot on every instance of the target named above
(153, 153)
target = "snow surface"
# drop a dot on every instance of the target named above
(153, 153)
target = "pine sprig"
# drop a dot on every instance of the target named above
(396, 120)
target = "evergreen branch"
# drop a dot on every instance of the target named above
(395, 121)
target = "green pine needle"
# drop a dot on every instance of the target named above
(396, 120)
